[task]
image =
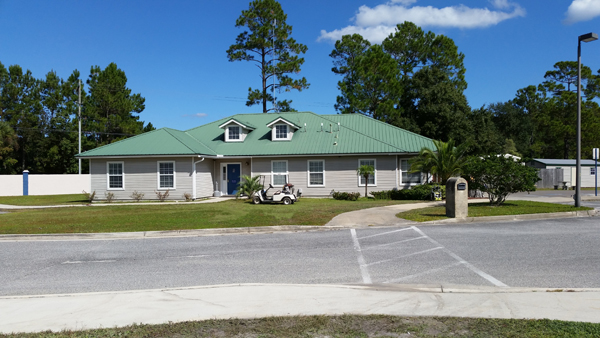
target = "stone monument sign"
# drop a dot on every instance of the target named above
(457, 197)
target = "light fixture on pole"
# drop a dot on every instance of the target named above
(585, 38)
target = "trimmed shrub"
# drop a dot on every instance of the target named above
(382, 195)
(417, 192)
(345, 196)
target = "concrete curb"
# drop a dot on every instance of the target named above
(525, 217)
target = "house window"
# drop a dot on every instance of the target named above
(166, 175)
(234, 133)
(593, 171)
(372, 178)
(279, 173)
(407, 177)
(281, 132)
(115, 176)
(316, 173)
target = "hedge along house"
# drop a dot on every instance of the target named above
(316, 153)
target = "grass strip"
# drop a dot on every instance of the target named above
(485, 209)
(345, 326)
(44, 200)
(178, 216)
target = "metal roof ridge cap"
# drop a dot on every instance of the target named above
(178, 140)
(200, 142)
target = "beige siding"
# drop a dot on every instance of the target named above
(141, 175)
(204, 178)
(340, 173)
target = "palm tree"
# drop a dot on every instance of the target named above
(446, 161)
(248, 186)
(365, 171)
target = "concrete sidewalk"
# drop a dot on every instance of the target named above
(110, 309)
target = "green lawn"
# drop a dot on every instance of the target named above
(484, 209)
(345, 326)
(171, 216)
(44, 200)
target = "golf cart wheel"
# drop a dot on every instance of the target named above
(286, 201)
(255, 200)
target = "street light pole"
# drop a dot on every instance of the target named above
(585, 38)
(79, 105)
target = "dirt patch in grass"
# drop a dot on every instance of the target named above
(346, 326)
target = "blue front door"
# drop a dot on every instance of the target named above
(233, 178)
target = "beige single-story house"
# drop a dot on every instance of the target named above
(316, 153)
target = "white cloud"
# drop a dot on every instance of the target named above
(582, 10)
(198, 115)
(376, 23)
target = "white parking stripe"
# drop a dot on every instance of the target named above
(424, 273)
(385, 233)
(81, 262)
(398, 242)
(361, 260)
(412, 254)
(467, 264)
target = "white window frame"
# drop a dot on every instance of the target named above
(308, 173)
(288, 134)
(158, 187)
(374, 175)
(287, 172)
(407, 172)
(592, 171)
(228, 139)
(108, 175)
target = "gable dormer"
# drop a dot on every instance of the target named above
(236, 131)
(282, 129)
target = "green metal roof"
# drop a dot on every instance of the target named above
(317, 134)
(284, 120)
(242, 123)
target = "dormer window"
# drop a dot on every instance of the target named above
(281, 131)
(234, 133)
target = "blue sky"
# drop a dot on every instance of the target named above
(173, 52)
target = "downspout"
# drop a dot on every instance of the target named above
(194, 176)
(397, 185)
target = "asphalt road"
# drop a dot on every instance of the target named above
(558, 253)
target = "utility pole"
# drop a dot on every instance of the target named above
(79, 125)
(274, 62)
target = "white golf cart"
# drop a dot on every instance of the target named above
(285, 196)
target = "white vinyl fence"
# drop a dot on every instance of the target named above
(12, 185)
